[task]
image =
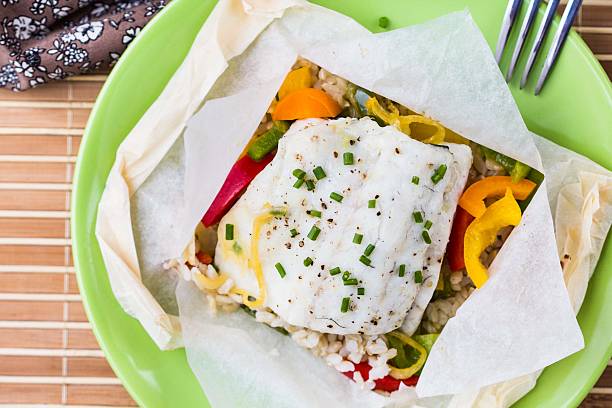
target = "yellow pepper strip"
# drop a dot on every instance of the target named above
(297, 79)
(254, 261)
(473, 197)
(403, 373)
(210, 283)
(482, 232)
(403, 122)
(436, 138)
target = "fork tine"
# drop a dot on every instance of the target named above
(537, 44)
(525, 28)
(509, 18)
(564, 27)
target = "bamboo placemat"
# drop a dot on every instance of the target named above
(48, 354)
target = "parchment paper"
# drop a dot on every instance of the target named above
(523, 316)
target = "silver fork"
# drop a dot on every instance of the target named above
(512, 11)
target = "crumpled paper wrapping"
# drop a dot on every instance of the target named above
(523, 316)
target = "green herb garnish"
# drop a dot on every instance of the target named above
(314, 213)
(298, 183)
(372, 204)
(383, 22)
(299, 173)
(314, 233)
(319, 173)
(439, 174)
(308, 261)
(369, 249)
(345, 305)
(229, 232)
(402, 270)
(347, 157)
(365, 260)
(335, 271)
(293, 232)
(427, 224)
(426, 236)
(336, 197)
(351, 282)
(280, 269)
(310, 185)
(418, 216)
(361, 291)
(357, 238)
(418, 277)
(415, 180)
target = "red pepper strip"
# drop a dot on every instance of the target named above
(238, 179)
(455, 244)
(387, 383)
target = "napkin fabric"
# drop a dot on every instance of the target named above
(46, 40)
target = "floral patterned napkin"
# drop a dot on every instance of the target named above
(45, 40)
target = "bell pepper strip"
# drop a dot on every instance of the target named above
(204, 258)
(454, 251)
(403, 373)
(268, 141)
(210, 283)
(402, 122)
(473, 197)
(388, 383)
(357, 98)
(306, 103)
(482, 232)
(238, 179)
(514, 168)
(295, 80)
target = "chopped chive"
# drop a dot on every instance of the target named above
(372, 204)
(298, 183)
(334, 271)
(351, 282)
(383, 22)
(347, 157)
(415, 180)
(369, 249)
(402, 270)
(336, 197)
(426, 236)
(229, 232)
(278, 212)
(346, 275)
(293, 232)
(345, 305)
(361, 291)
(439, 174)
(319, 173)
(310, 185)
(418, 216)
(357, 238)
(280, 269)
(428, 224)
(308, 261)
(314, 233)
(299, 173)
(418, 277)
(314, 213)
(365, 260)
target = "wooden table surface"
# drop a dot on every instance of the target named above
(48, 354)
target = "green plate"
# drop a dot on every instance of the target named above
(574, 110)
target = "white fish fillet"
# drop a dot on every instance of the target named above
(385, 161)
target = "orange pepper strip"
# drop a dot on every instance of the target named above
(482, 232)
(306, 103)
(473, 197)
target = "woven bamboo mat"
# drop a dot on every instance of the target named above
(48, 354)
